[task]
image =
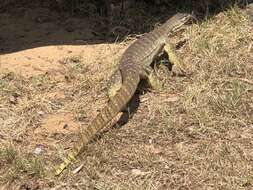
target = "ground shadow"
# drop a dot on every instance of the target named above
(30, 24)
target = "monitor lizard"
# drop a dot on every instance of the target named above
(133, 66)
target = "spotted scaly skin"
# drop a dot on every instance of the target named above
(131, 69)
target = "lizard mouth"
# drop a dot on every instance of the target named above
(191, 18)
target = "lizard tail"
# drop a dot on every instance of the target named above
(115, 105)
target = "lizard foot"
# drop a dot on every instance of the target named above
(177, 66)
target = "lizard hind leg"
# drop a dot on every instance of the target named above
(114, 84)
(149, 74)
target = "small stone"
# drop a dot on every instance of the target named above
(13, 100)
(138, 172)
(37, 150)
(40, 113)
(65, 126)
(78, 169)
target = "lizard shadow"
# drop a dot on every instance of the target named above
(40, 24)
(127, 114)
(143, 87)
(128, 111)
(134, 103)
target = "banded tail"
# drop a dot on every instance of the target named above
(114, 106)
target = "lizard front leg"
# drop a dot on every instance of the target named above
(177, 65)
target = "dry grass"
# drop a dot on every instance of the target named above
(20, 165)
(197, 134)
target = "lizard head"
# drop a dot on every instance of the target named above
(179, 19)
